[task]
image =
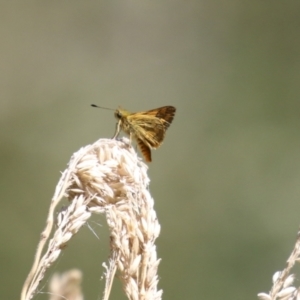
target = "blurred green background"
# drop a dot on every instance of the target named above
(226, 180)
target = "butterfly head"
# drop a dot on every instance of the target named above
(118, 114)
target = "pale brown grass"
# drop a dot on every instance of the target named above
(105, 178)
(283, 281)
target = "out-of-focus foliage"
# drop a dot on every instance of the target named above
(226, 179)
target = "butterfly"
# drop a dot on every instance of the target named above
(148, 128)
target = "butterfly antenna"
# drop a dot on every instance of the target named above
(94, 105)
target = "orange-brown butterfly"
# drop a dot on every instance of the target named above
(147, 127)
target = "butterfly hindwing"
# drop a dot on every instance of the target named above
(145, 150)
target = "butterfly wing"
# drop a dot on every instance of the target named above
(145, 150)
(165, 113)
(150, 126)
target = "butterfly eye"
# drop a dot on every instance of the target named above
(118, 115)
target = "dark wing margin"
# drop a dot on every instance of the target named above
(166, 113)
(145, 150)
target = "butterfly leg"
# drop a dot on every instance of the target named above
(130, 141)
(117, 130)
(130, 138)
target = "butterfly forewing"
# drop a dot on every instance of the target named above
(153, 124)
(148, 127)
(151, 131)
(166, 112)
